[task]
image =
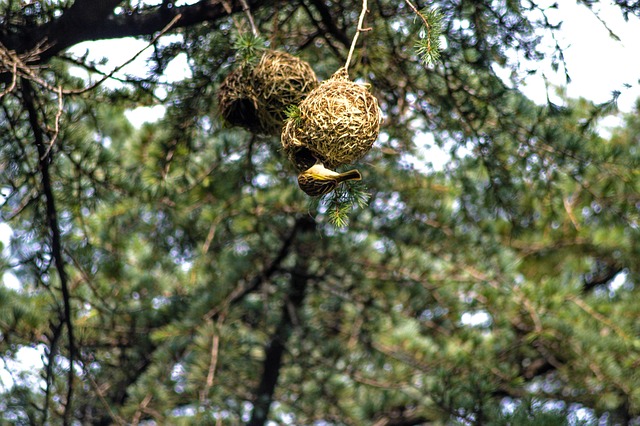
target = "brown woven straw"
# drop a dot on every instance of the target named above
(255, 96)
(338, 123)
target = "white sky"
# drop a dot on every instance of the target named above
(597, 65)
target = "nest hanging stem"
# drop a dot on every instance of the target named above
(245, 8)
(355, 37)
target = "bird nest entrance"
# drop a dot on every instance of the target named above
(255, 96)
(337, 124)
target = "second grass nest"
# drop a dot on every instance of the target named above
(255, 95)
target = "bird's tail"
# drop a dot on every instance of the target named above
(350, 175)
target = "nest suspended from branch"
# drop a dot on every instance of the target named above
(255, 96)
(338, 123)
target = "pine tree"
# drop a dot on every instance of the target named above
(174, 273)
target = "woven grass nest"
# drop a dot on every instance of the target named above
(254, 96)
(338, 123)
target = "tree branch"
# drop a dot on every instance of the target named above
(275, 349)
(53, 349)
(359, 29)
(330, 23)
(240, 292)
(604, 273)
(44, 160)
(90, 20)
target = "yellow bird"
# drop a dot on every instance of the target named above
(318, 180)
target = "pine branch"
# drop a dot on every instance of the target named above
(292, 112)
(239, 293)
(44, 161)
(345, 198)
(249, 47)
(428, 45)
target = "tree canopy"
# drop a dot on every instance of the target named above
(174, 273)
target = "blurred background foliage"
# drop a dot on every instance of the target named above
(177, 266)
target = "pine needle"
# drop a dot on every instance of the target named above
(428, 46)
(343, 200)
(292, 112)
(249, 47)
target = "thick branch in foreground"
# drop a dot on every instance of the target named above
(275, 350)
(88, 20)
(52, 220)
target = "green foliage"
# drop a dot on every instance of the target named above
(496, 287)
(249, 47)
(345, 198)
(534, 413)
(293, 113)
(428, 45)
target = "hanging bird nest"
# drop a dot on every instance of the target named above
(255, 95)
(337, 124)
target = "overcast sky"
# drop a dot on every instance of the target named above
(597, 63)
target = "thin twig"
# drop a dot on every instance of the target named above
(133, 58)
(141, 408)
(417, 12)
(424, 20)
(227, 7)
(56, 123)
(242, 290)
(355, 37)
(599, 18)
(276, 24)
(114, 417)
(213, 363)
(14, 79)
(599, 317)
(19, 66)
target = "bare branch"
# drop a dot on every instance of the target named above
(19, 65)
(82, 22)
(133, 58)
(56, 243)
(275, 350)
(247, 11)
(213, 360)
